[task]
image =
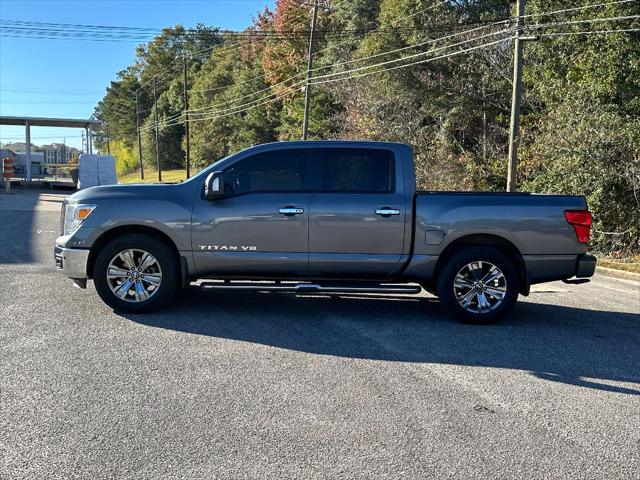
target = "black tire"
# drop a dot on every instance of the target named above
(165, 258)
(453, 266)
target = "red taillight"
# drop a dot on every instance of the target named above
(581, 221)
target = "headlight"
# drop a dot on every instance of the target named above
(74, 215)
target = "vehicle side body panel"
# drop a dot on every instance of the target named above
(334, 235)
(534, 224)
(162, 208)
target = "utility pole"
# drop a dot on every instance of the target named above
(186, 118)
(307, 90)
(139, 139)
(514, 126)
(484, 124)
(155, 111)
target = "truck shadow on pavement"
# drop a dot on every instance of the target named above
(17, 212)
(574, 346)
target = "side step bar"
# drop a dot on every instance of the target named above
(389, 288)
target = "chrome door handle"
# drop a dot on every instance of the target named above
(387, 212)
(289, 211)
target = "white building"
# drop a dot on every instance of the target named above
(58, 153)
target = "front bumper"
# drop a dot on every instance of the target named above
(72, 262)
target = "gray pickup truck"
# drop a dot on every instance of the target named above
(321, 217)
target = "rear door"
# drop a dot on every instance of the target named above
(357, 215)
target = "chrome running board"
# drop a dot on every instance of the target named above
(296, 287)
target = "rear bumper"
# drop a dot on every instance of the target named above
(71, 262)
(547, 268)
(585, 266)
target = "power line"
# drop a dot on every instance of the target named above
(232, 47)
(299, 18)
(64, 34)
(584, 21)
(52, 102)
(576, 9)
(396, 60)
(38, 91)
(205, 113)
(464, 51)
(588, 32)
(267, 100)
(416, 45)
(430, 29)
(394, 23)
(261, 101)
(350, 61)
(369, 66)
(428, 60)
(42, 137)
(556, 12)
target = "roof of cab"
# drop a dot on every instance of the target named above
(319, 143)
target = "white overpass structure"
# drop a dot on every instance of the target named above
(29, 122)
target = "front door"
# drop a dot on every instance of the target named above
(260, 226)
(357, 216)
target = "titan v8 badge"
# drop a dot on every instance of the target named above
(229, 248)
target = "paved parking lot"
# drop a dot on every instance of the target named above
(263, 385)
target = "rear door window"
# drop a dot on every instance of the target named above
(357, 170)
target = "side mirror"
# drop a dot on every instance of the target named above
(214, 186)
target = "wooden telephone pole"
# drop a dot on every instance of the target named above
(139, 139)
(514, 126)
(307, 90)
(155, 111)
(186, 117)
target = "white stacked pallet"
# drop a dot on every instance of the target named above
(107, 170)
(96, 170)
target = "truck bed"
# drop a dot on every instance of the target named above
(532, 225)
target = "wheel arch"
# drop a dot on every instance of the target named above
(119, 231)
(487, 240)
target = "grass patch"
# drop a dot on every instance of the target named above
(151, 176)
(631, 266)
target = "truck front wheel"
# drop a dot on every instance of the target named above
(478, 285)
(136, 273)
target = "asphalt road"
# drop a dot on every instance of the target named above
(263, 385)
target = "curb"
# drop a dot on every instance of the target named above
(612, 272)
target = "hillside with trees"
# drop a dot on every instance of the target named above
(434, 74)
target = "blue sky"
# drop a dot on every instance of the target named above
(66, 78)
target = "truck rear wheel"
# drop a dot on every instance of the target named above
(136, 273)
(478, 285)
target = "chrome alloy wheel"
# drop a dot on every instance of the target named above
(134, 275)
(480, 287)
